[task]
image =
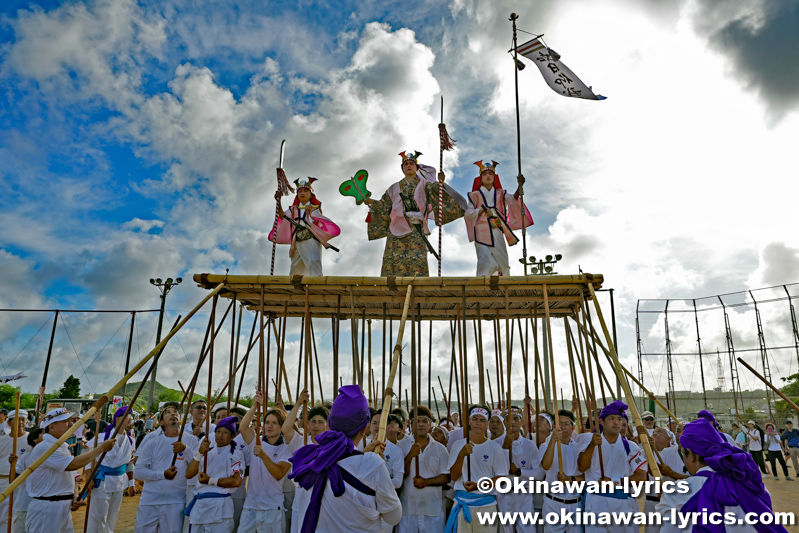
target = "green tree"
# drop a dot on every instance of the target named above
(71, 388)
(791, 390)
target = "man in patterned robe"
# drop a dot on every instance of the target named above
(402, 213)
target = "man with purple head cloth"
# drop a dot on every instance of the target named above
(220, 471)
(621, 459)
(114, 476)
(340, 488)
(724, 480)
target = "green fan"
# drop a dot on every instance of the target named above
(356, 187)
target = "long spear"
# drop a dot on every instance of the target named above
(447, 143)
(284, 189)
(513, 17)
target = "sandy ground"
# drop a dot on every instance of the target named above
(783, 494)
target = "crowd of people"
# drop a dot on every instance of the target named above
(238, 471)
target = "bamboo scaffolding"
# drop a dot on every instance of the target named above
(105, 397)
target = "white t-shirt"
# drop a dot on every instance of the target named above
(755, 442)
(155, 456)
(617, 464)
(395, 462)
(6, 447)
(526, 455)
(570, 453)
(773, 441)
(354, 511)
(264, 491)
(51, 478)
(487, 460)
(21, 496)
(222, 462)
(671, 457)
(433, 461)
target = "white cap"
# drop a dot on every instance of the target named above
(647, 414)
(21, 413)
(56, 415)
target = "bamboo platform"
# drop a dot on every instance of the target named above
(436, 298)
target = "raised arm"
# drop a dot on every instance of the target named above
(291, 418)
(246, 431)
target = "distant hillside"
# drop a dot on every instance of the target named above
(162, 394)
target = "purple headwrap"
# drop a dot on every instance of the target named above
(230, 423)
(735, 479)
(119, 413)
(617, 407)
(707, 415)
(350, 412)
(316, 464)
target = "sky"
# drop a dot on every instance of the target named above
(139, 139)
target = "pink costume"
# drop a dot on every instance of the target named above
(489, 230)
(306, 251)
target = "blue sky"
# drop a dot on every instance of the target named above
(139, 140)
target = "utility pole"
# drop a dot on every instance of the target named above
(164, 287)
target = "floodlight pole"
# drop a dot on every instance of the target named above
(164, 287)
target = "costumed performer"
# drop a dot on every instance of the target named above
(402, 213)
(492, 215)
(309, 233)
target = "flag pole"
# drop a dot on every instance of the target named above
(513, 17)
(440, 192)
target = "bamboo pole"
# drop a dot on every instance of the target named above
(104, 398)
(388, 394)
(13, 464)
(319, 371)
(307, 362)
(626, 387)
(508, 343)
(444, 398)
(480, 363)
(641, 385)
(89, 482)
(775, 389)
(552, 372)
(232, 346)
(260, 379)
(210, 381)
(490, 389)
(573, 367)
(246, 355)
(464, 408)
